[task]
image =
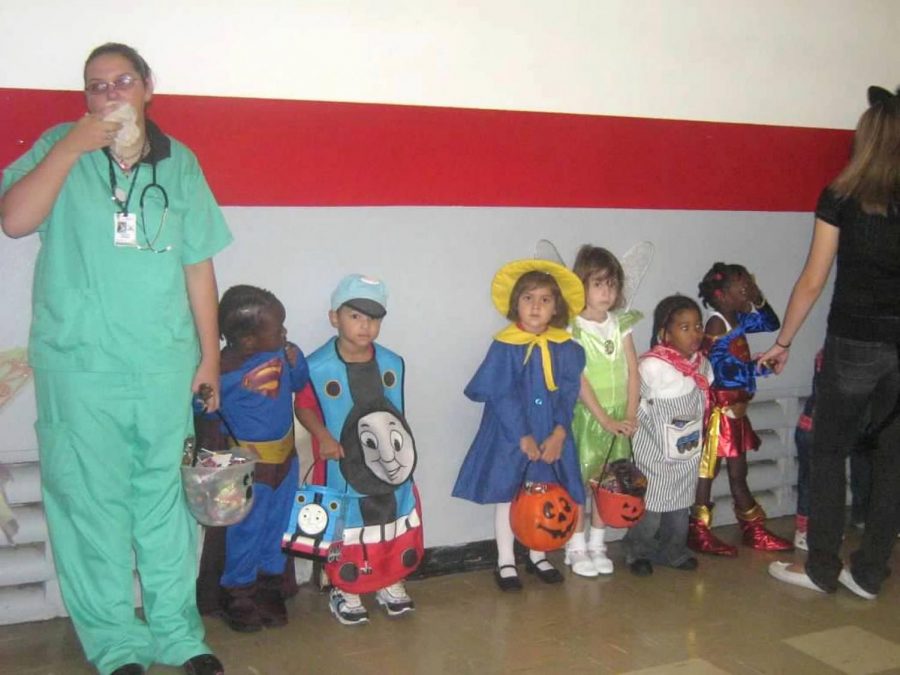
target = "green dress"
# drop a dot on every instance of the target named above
(607, 372)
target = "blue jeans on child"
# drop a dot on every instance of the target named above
(855, 375)
(660, 538)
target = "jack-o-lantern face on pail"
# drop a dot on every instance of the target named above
(542, 516)
(619, 510)
(619, 494)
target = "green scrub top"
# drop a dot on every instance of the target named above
(98, 307)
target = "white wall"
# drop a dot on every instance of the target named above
(792, 62)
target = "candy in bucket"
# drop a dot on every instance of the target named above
(620, 493)
(218, 486)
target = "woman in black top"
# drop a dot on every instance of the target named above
(857, 221)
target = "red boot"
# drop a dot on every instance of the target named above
(755, 534)
(700, 537)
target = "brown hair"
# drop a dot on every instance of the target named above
(593, 260)
(537, 279)
(872, 177)
(137, 61)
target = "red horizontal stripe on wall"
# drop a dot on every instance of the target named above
(285, 153)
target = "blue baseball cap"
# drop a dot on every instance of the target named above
(362, 293)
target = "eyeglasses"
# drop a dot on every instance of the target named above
(121, 83)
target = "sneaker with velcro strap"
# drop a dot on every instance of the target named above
(347, 608)
(395, 599)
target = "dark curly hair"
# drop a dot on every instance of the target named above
(240, 309)
(666, 309)
(714, 282)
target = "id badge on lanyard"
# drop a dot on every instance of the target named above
(124, 222)
(125, 229)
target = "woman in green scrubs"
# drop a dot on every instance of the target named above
(124, 329)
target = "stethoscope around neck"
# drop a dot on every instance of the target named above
(150, 244)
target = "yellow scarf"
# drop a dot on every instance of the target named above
(513, 335)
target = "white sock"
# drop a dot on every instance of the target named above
(595, 538)
(576, 543)
(505, 538)
(537, 556)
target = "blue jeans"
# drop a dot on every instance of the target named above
(660, 538)
(855, 375)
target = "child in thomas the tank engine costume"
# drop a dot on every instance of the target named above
(354, 411)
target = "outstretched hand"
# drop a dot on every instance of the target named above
(775, 358)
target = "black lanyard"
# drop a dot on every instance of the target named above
(123, 206)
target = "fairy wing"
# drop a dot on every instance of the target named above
(635, 263)
(545, 250)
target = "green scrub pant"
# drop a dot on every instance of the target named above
(110, 449)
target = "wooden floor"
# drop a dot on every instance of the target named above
(727, 617)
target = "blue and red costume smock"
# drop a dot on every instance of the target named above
(362, 406)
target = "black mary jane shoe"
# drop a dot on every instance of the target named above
(548, 574)
(204, 664)
(129, 669)
(507, 583)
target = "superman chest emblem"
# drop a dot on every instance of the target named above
(265, 379)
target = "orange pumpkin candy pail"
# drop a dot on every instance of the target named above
(543, 516)
(620, 494)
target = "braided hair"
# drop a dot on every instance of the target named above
(240, 310)
(714, 282)
(664, 312)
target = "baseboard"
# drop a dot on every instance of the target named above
(440, 560)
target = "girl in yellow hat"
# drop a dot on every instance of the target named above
(529, 382)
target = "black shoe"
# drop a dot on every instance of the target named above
(507, 583)
(239, 609)
(204, 664)
(548, 574)
(642, 567)
(688, 565)
(129, 669)
(270, 600)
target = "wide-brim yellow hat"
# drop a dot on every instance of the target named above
(506, 278)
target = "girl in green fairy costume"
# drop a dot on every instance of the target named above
(605, 415)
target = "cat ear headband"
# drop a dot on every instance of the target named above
(878, 95)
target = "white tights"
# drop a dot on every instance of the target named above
(505, 539)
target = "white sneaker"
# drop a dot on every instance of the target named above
(780, 571)
(847, 581)
(800, 540)
(395, 599)
(580, 563)
(602, 564)
(347, 608)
